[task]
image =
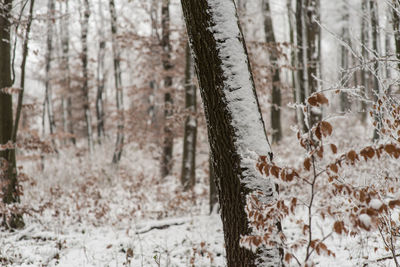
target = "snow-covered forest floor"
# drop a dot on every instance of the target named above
(83, 212)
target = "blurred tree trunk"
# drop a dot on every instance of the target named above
(301, 66)
(85, 87)
(311, 57)
(67, 71)
(396, 28)
(188, 175)
(364, 51)
(234, 121)
(344, 57)
(100, 76)
(48, 86)
(8, 165)
(274, 70)
(293, 56)
(168, 143)
(376, 88)
(118, 85)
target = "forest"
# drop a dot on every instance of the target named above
(200, 133)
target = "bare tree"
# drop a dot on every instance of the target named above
(235, 127)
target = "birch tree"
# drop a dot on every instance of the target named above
(235, 127)
(188, 175)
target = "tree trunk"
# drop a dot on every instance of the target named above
(100, 76)
(293, 56)
(213, 187)
(85, 87)
(118, 86)
(48, 86)
(235, 127)
(8, 165)
(364, 73)
(188, 175)
(168, 143)
(376, 88)
(344, 58)
(66, 69)
(396, 28)
(301, 67)
(274, 69)
(312, 30)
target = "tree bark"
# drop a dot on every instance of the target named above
(8, 164)
(188, 175)
(301, 67)
(118, 86)
(168, 143)
(274, 69)
(235, 127)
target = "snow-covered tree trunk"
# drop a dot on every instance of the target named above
(235, 127)
(188, 175)
(168, 143)
(118, 85)
(85, 86)
(274, 69)
(301, 67)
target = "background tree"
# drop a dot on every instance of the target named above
(188, 175)
(274, 69)
(118, 85)
(168, 144)
(234, 122)
(85, 85)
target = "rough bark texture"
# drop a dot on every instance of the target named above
(235, 176)
(276, 81)
(85, 86)
(188, 175)
(168, 143)
(118, 86)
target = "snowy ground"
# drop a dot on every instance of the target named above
(84, 212)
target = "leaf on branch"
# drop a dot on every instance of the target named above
(334, 168)
(339, 228)
(307, 164)
(317, 99)
(367, 152)
(326, 128)
(394, 203)
(352, 156)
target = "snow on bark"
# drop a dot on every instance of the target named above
(250, 136)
